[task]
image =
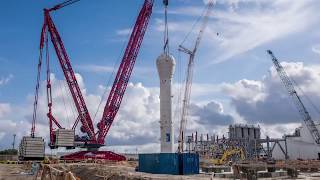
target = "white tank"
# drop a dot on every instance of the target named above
(166, 66)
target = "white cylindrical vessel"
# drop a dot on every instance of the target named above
(166, 66)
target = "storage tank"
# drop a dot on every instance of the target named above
(244, 131)
(166, 66)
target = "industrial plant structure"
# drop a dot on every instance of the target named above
(241, 136)
(299, 145)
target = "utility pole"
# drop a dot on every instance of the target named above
(14, 140)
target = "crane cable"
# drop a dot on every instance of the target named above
(66, 97)
(166, 29)
(111, 77)
(194, 25)
(63, 94)
(36, 94)
(177, 111)
(306, 96)
(166, 50)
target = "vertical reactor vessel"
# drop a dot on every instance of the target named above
(166, 66)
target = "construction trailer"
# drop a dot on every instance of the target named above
(31, 148)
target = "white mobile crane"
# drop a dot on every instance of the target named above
(189, 75)
(296, 99)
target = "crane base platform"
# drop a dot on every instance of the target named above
(94, 155)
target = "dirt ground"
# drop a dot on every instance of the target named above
(122, 171)
(119, 171)
(15, 172)
(126, 171)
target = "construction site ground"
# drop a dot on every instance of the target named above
(95, 171)
(15, 172)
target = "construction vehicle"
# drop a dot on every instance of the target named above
(232, 154)
(296, 99)
(189, 76)
(90, 139)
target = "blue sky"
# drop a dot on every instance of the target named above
(227, 67)
(99, 38)
(93, 41)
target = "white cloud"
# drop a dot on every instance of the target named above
(137, 123)
(124, 32)
(245, 30)
(5, 80)
(244, 25)
(245, 89)
(103, 69)
(95, 68)
(267, 101)
(5, 108)
(316, 49)
(278, 130)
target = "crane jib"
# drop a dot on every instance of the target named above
(125, 70)
(296, 99)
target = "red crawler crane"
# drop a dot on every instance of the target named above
(93, 140)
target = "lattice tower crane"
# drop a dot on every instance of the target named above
(189, 76)
(296, 99)
(93, 139)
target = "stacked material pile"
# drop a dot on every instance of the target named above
(31, 148)
(64, 138)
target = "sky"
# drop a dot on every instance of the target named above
(233, 82)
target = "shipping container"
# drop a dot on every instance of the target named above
(159, 163)
(169, 163)
(189, 163)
